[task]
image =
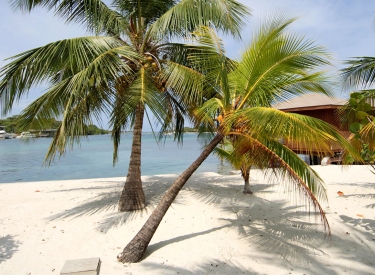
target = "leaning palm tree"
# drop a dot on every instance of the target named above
(275, 65)
(137, 64)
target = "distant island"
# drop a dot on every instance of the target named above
(12, 125)
(189, 129)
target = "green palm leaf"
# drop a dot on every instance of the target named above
(95, 15)
(289, 168)
(84, 61)
(360, 72)
(302, 131)
(224, 15)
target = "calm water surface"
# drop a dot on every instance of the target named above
(22, 161)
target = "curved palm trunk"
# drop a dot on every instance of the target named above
(132, 196)
(135, 250)
(245, 173)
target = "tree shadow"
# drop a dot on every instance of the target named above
(208, 267)
(360, 196)
(290, 232)
(273, 227)
(154, 247)
(113, 184)
(286, 234)
(107, 201)
(8, 246)
(367, 224)
(365, 185)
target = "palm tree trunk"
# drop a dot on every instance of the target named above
(135, 250)
(132, 196)
(245, 173)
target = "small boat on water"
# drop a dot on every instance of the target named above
(10, 136)
(5, 135)
(2, 134)
(26, 135)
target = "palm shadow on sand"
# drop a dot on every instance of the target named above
(289, 233)
(107, 201)
(8, 246)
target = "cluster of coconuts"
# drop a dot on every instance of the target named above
(150, 60)
(151, 63)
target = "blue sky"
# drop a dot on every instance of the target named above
(344, 27)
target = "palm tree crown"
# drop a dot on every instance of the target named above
(134, 64)
(275, 65)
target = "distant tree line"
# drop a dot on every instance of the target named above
(189, 129)
(12, 125)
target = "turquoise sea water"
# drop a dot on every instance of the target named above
(22, 161)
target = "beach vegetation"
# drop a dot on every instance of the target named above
(227, 152)
(95, 130)
(190, 130)
(13, 125)
(359, 111)
(276, 65)
(134, 67)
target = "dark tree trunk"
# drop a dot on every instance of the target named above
(132, 196)
(245, 173)
(135, 250)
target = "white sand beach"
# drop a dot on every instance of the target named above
(212, 228)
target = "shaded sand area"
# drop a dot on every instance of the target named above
(212, 228)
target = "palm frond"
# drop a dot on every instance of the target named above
(224, 15)
(185, 82)
(211, 59)
(151, 10)
(312, 134)
(276, 60)
(360, 72)
(292, 170)
(85, 61)
(94, 15)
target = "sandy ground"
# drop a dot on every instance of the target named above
(212, 228)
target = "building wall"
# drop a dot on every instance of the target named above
(327, 115)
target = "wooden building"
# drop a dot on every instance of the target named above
(318, 106)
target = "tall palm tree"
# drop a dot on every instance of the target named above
(275, 65)
(137, 64)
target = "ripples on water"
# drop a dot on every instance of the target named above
(22, 161)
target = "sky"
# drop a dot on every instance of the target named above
(346, 28)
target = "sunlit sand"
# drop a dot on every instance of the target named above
(212, 228)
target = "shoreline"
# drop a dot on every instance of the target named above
(211, 228)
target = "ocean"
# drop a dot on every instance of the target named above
(22, 160)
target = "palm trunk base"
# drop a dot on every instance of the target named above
(132, 199)
(247, 189)
(133, 252)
